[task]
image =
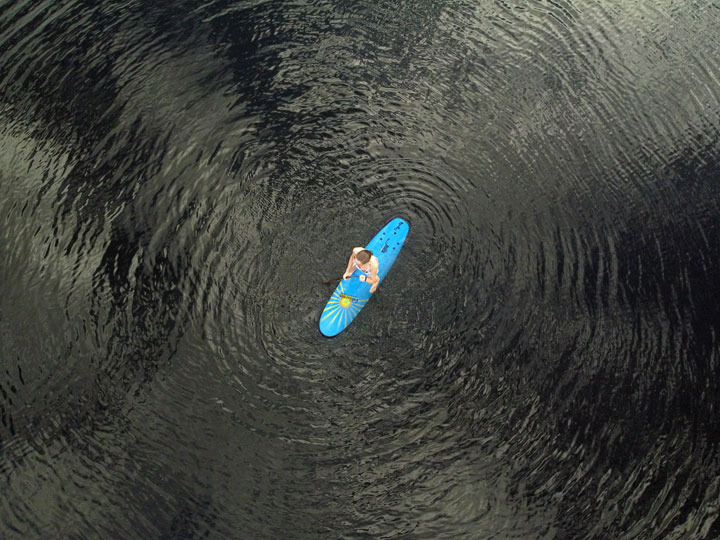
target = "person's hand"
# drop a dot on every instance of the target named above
(373, 288)
(346, 275)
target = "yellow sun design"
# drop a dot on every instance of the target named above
(342, 307)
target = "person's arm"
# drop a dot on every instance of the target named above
(349, 269)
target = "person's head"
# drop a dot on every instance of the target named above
(363, 256)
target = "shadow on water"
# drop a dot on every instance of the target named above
(625, 378)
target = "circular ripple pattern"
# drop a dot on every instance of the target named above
(176, 184)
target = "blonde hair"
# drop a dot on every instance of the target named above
(363, 256)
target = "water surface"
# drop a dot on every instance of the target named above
(177, 182)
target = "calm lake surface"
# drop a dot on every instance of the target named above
(177, 181)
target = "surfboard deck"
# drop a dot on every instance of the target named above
(351, 295)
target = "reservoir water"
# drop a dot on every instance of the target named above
(178, 179)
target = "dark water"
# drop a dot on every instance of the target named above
(177, 181)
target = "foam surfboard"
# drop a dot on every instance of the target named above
(351, 295)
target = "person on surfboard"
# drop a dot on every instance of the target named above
(363, 260)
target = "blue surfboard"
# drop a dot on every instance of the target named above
(351, 295)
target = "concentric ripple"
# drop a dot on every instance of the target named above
(178, 182)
